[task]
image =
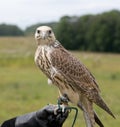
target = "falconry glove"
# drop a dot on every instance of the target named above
(45, 117)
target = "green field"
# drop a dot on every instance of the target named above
(23, 88)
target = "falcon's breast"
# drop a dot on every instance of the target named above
(42, 60)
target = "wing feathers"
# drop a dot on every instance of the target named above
(73, 69)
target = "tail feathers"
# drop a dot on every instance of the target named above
(100, 102)
(97, 120)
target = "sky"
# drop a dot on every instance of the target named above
(28, 12)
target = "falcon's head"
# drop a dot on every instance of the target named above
(44, 35)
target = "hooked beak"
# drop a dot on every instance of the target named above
(43, 35)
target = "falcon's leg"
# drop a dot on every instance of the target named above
(97, 120)
(63, 99)
(62, 103)
(88, 112)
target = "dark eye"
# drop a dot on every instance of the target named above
(49, 31)
(38, 31)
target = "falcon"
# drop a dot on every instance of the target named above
(71, 77)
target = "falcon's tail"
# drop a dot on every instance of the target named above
(100, 102)
(97, 120)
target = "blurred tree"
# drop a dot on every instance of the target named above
(10, 30)
(90, 32)
(65, 32)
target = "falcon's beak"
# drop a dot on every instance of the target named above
(43, 35)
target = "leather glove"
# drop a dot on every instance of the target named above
(44, 117)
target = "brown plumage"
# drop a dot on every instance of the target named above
(69, 75)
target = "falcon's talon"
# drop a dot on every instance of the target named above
(62, 108)
(63, 100)
(59, 109)
(55, 111)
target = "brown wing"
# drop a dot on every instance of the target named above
(74, 70)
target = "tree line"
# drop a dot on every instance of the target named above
(91, 32)
(10, 30)
(99, 32)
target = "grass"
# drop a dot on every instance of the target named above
(23, 88)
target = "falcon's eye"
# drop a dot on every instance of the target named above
(38, 31)
(49, 31)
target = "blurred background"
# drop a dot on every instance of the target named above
(89, 29)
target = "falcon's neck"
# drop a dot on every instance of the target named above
(47, 41)
(43, 51)
(45, 44)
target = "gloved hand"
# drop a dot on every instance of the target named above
(41, 118)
